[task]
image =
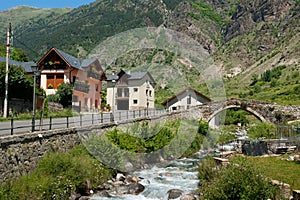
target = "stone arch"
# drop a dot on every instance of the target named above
(248, 109)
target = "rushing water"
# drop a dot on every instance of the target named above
(180, 174)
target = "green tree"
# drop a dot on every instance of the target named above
(19, 55)
(20, 85)
(64, 94)
(254, 79)
(261, 130)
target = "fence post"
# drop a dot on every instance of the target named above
(67, 121)
(134, 114)
(50, 123)
(101, 117)
(80, 120)
(120, 116)
(33, 124)
(126, 114)
(12, 126)
(92, 118)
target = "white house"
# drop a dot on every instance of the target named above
(130, 91)
(185, 99)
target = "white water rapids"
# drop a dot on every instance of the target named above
(180, 174)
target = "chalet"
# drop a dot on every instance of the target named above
(185, 99)
(130, 91)
(86, 75)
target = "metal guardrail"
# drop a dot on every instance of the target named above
(16, 127)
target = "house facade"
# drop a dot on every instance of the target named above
(130, 91)
(185, 99)
(86, 75)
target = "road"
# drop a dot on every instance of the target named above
(86, 119)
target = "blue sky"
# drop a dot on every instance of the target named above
(6, 4)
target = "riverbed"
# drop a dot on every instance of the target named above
(179, 174)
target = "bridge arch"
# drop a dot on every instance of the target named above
(248, 109)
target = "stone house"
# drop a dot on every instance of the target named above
(130, 91)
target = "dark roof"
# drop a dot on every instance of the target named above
(182, 92)
(87, 62)
(25, 65)
(131, 76)
(71, 60)
(74, 62)
(137, 75)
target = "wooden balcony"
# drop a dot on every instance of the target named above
(82, 87)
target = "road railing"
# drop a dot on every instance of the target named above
(84, 119)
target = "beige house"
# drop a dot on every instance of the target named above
(185, 99)
(85, 75)
(130, 91)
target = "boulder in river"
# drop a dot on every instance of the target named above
(174, 193)
(188, 197)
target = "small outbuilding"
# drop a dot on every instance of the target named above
(185, 99)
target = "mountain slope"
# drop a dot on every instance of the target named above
(244, 37)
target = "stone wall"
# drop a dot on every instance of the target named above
(20, 154)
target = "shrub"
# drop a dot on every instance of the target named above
(57, 175)
(240, 180)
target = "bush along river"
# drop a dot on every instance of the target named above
(177, 179)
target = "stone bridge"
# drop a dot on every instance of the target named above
(264, 111)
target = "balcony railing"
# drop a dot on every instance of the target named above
(82, 87)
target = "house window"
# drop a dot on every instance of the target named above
(75, 98)
(135, 89)
(150, 93)
(189, 99)
(119, 91)
(126, 92)
(135, 101)
(54, 80)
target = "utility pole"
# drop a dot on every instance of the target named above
(8, 44)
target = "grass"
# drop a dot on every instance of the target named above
(279, 169)
(57, 176)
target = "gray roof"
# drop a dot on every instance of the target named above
(75, 62)
(25, 65)
(87, 62)
(137, 75)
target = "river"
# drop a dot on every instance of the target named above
(179, 174)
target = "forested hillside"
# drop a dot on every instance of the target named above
(245, 38)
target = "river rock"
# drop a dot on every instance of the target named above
(130, 179)
(135, 188)
(174, 193)
(120, 177)
(74, 196)
(132, 188)
(188, 197)
(84, 198)
(103, 194)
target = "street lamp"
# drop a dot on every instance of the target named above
(36, 73)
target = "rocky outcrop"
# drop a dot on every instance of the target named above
(249, 13)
